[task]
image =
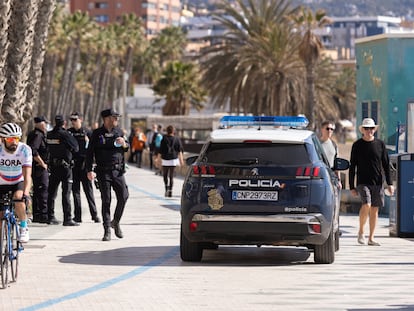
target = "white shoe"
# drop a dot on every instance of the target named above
(373, 243)
(361, 239)
(24, 235)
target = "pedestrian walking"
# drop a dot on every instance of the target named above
(80, 175)
(329, 146)
(171, 154)
(106, 149)
(62, 147)
(370, 162)
(15, 176)
(36, 139)
(138, 145)
(151, 136)
(157, 145)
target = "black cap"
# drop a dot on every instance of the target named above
(59, 120)
(40, 119)
(109, 112)
(75, 115)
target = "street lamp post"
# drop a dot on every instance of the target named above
(123, 112)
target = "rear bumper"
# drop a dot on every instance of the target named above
(281, 229)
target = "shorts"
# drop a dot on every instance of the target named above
(371, 194)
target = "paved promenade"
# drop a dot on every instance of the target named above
(70, 268)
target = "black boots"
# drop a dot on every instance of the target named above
(117, 228)
(107, 235)
(168, 192)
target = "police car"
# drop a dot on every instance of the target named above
(261, 181)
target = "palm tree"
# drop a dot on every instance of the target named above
(132, 35)
(180, 85)
(169, 45)
(310, 52)
(256, 67)
(77, 27)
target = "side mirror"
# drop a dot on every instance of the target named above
(191, 160)
(341, 164)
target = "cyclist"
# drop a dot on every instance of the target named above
(16, 172)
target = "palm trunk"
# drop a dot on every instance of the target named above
(310, 81)
(46, 9)
(5, 13)
(21, 35)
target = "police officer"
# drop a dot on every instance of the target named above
(79, 172)
(107, 148)
(36, 139)
(62, 146)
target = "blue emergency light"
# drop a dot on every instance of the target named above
(285, 121)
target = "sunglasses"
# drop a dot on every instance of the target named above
(369, 128)
(12, 139)
(73, 120)
(330, 129)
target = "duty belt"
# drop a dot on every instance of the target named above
(109, 167)
(61, 162)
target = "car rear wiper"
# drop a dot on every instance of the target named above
(245, 161)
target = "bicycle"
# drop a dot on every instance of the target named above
(10, 245)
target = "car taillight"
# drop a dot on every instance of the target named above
(204, 170)
(316, 228)
(307, 171)
(193, 226)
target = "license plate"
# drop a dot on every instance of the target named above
(241, 195)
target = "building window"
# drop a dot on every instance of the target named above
(148, 5)
(118, 5)
(102, 18)
(101, 5)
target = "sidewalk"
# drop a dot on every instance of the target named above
(70, 268)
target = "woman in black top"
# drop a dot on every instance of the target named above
(171, 153)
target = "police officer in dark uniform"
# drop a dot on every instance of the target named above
(79, 172)
(62, 146)
(36, 139)
(107, 148)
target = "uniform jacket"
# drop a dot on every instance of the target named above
(62, 144)
(36, 139)
(102, 149)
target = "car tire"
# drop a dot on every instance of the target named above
(337, 235)
(190, 251)
(325, 253)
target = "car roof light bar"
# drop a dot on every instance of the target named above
(286, 121)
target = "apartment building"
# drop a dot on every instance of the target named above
(156, 14)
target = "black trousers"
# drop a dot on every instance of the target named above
(168, 175)
(60, 174)
(40, 178)
(80, 176)
(114, 179)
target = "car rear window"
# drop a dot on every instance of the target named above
(256, 154)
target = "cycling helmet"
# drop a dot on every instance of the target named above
(10, 130)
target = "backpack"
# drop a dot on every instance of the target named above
(157, 140)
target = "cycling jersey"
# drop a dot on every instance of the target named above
(11, 164)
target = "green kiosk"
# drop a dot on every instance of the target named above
(385, 92)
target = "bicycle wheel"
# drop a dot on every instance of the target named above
(14, 258)
(4, 254)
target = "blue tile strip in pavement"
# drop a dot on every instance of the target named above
(153, 263)
(131, 274)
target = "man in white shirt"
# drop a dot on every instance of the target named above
(16, 172)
